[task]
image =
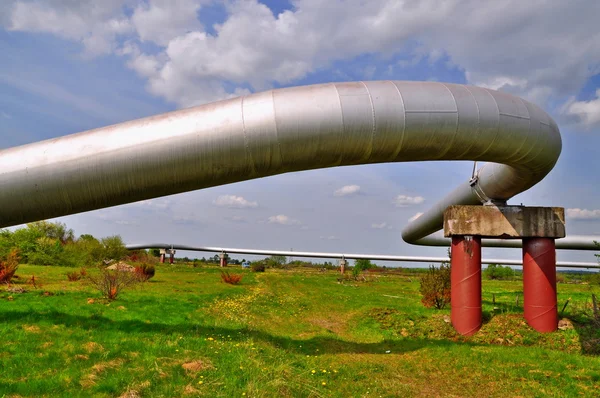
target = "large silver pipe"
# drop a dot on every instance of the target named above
(348, 256)
(571, 242)
(281, 131)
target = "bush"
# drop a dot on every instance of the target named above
(232, 279)
(495, 271)
(73, 276)
(435, 287)
(258, 267)
(9, 266)
(111, 283)
(144, 271)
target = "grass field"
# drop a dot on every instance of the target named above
(284, 333)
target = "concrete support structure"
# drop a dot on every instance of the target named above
(171, 256)
(223, 259)
(538, 227)
(343, 263)
(466, 284)
(539, 284)
(163, 252)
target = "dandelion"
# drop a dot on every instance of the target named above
(241, 367)
(324, 383)
(313, 371)
(200, 382)
(210, 339)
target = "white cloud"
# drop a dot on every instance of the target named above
(95, 24)
(283, 220)
(347, 190)
(160, 204)
(413, 218)
(233, 201)
(522, 47)
(382, 225)
(160, 21)
(583, 214)
(587, 112)
(404, 200)
(330, 237)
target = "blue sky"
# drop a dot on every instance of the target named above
(68, 66)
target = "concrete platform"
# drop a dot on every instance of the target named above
(505, 222)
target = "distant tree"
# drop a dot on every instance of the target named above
(496, 271)
(53, 230)
(278, 259)
(113, 247)
(155, 252)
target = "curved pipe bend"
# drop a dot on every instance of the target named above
(282, 131)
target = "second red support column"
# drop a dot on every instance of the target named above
(466, 284)
(539, 284)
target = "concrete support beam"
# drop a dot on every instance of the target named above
(223, 259)
(539, 284)
(162, 255)
(505, 222)
(171, 255)
(465, 276)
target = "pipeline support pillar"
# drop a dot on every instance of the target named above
(538, 227)
(465, 278)
(171, 256)
(223, 259)
(162, 255)
(343, 263)
(539, 284)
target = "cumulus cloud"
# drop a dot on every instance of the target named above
(583, 214)
(586, 112)
(233, 201)
(404, 200)
(521, 47)
(382, 225)
(347, 190)
(283, 220)
(413, 218)
(330, 237)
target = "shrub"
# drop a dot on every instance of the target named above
(435, 287)
(111, 283)
(9, 266)
(144, 271)
(232, 279)
(258, 267)
(495, 271)
(73, 276)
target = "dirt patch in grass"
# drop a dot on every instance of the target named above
(31, 328)
(199, 365)
(189, 390)
(89, 380)
(93, 347)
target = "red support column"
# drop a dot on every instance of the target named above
(223, 258)
(172, 257)
(539, 284)
(162, 258)
(466, 284)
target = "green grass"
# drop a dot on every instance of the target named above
(295, 333)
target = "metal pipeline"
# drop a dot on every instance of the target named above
(282, 131)
(348, 256)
